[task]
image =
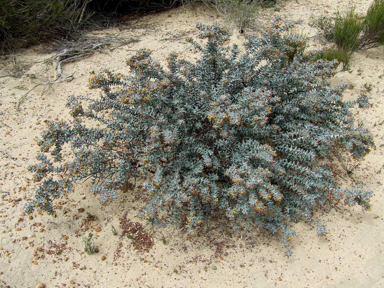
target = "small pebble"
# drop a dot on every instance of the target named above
(40, 285)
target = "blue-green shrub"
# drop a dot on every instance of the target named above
(245, 134)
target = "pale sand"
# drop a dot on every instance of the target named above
(351, 255)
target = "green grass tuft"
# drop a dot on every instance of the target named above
(347, 31)
(373, 26)
(341, 55)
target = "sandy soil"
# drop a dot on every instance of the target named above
(42, 249)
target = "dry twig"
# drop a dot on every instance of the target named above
(69, 55)
(25, 95)
(10, 157)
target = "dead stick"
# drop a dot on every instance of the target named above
(24, 96)
(10, 157)
(74, 54)
(9, 75)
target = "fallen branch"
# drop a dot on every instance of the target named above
(69, 55)
(72, 54)
(69, 78)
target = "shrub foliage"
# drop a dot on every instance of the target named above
(24, 23)
(339, 54)
(373, 26)
(245, 135)
(351, 31)
(347, 31)
(28, 22)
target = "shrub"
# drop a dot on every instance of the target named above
(298, 43)
(326, 26)
(240, 12)
(351, 31)
(243, 135)
(347, 31)
(24, 23)
(124, 6)
(373, 26)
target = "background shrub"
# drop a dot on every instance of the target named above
(326, 25)
(243, 135)
(29, 22)
(24, 23)
(373, 26)
(239, 12)
(347, 31)
(124, 6)
(351, 32)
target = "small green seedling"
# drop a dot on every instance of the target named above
(89, 248)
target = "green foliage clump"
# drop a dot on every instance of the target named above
(298, 43)
(89, 248)
(373, 26)
(347, 31)
(24, 23)
(240, 12)
(28, 22)
(246, 135)
(339, 54)
(344, 31)
(351, 31)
